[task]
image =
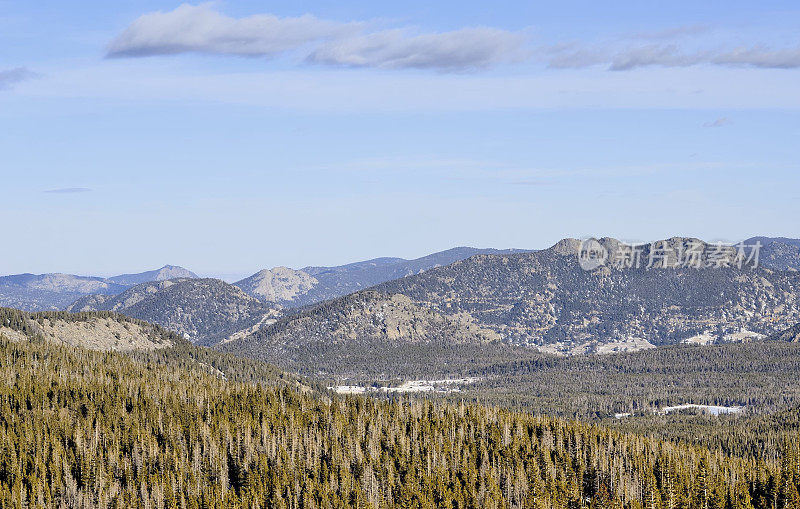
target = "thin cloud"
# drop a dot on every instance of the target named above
(11, 77)
(669, 55)
(720, 122)
(69, 190)
(464, 49)
(760, 57)
(201, 29)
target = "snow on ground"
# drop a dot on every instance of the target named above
(624, 345)
(412, 386)
(596, 347)
(705, 338)
(743, 336)
(349, 389)
(711, 409)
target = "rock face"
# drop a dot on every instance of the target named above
(546, 299)
(39, 292)
(280, 284)
(309, 285)
(374, 315)
(95, 331)
(205, 311)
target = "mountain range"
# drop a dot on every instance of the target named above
(542, 299)
(309, 285)
(204, 311)
(208, 311)
(462, 296)
(55, 291)
(164, 273)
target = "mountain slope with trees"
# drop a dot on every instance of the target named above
(779, 253)
(147, 343)
(83, 429)
(97, 331)
(205, 311)
(370, 331)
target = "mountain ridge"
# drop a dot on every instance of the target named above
(544, 299)
(203, 310)
(54, 291)
(162, 274)
(312, 284)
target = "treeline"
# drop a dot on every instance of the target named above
(761, 376)
(368, 358)
(91, 429)
(27, 322)
(758, 437)
(182, 354)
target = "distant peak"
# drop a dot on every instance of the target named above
(566, 246)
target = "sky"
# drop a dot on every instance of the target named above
(232, 136)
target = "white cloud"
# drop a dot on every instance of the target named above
(201, 29)
(669, 55)
(464, 49)
(12, 76)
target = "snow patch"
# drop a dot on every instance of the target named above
(412, 386)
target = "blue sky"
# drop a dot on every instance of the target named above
(233, 136)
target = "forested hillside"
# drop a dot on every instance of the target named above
(93, 330)
(149, 344)
(545, 298)
(761, 377)
(373, 333)
(85, 429)
(779, 253)
(204, 311)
